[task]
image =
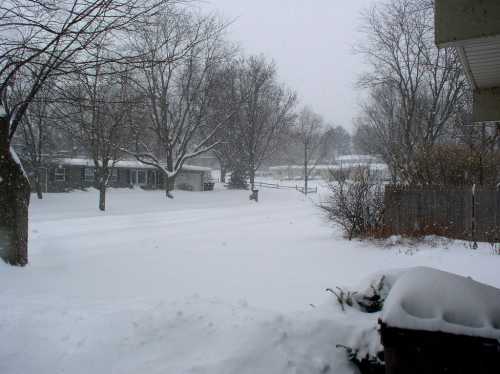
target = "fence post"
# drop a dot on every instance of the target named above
(497, 218)
(473, 221)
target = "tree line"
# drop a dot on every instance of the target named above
(153, 80)
(418, 105)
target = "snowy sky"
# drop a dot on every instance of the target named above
(311, 42)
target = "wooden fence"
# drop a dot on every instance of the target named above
(280, 186)
(455, 212)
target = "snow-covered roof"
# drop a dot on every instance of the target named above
(356, 158)
(90, 163)
(195, 168)
(126, 164)
(371, 166)
(433, 300)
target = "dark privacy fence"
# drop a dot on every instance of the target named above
(454, 212)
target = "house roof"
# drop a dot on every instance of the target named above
(473, 28)
(356, 159)
(344, 165)
(123, 164)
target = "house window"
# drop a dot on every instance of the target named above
(141, 177)
(114, 175)
(60, 174)
(152, 178)
(88, 175)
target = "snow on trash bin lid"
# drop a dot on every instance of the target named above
(433, 300)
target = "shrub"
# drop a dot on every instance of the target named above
(455, 165)
(357, 205)
(367, 364)
(369, 301)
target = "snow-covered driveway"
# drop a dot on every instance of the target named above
(205, 283)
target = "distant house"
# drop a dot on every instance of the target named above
(66, 174)
(350, 165)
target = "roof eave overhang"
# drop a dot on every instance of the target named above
(473, 28)
(459, 21)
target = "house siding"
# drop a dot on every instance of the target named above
(75, 178)
(189, 178)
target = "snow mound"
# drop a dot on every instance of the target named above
(305, 343)
(433, 300)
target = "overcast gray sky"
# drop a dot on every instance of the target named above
(311, 42)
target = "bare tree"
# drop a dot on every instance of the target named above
(310, 134)
(182, 52)
(97, 110)
(415, 87)
(225, 107)
(339, 141)
(378, 130)
(266, 109)
(36, 136)
(44, 39)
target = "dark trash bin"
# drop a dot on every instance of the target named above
(422, 352)
(208, 186)
(254, 195)
(435, 322)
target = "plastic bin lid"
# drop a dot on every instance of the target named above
(433, 300)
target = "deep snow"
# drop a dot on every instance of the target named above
(205, 283)
(434, 300)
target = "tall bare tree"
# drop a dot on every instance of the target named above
(415, 87)
(42, 39)
(266, 109)
(36, 135)
(311, 135)
(97, 111)
(225, 106)
(339, 141)
(182, 51)
(378, 130)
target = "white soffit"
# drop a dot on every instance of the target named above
(481, 58)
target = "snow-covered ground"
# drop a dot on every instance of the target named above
(205, 283)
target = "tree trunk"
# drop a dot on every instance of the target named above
(306, 172)
(38, 185)
(252, 178)
(14, 202)
(223, 174)
(169, 184)
(102, 196)
(169, 181)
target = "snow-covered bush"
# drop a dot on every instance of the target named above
(364, 348)
(344, 297)
(367, 364)
(356, 205)
(369, 301)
